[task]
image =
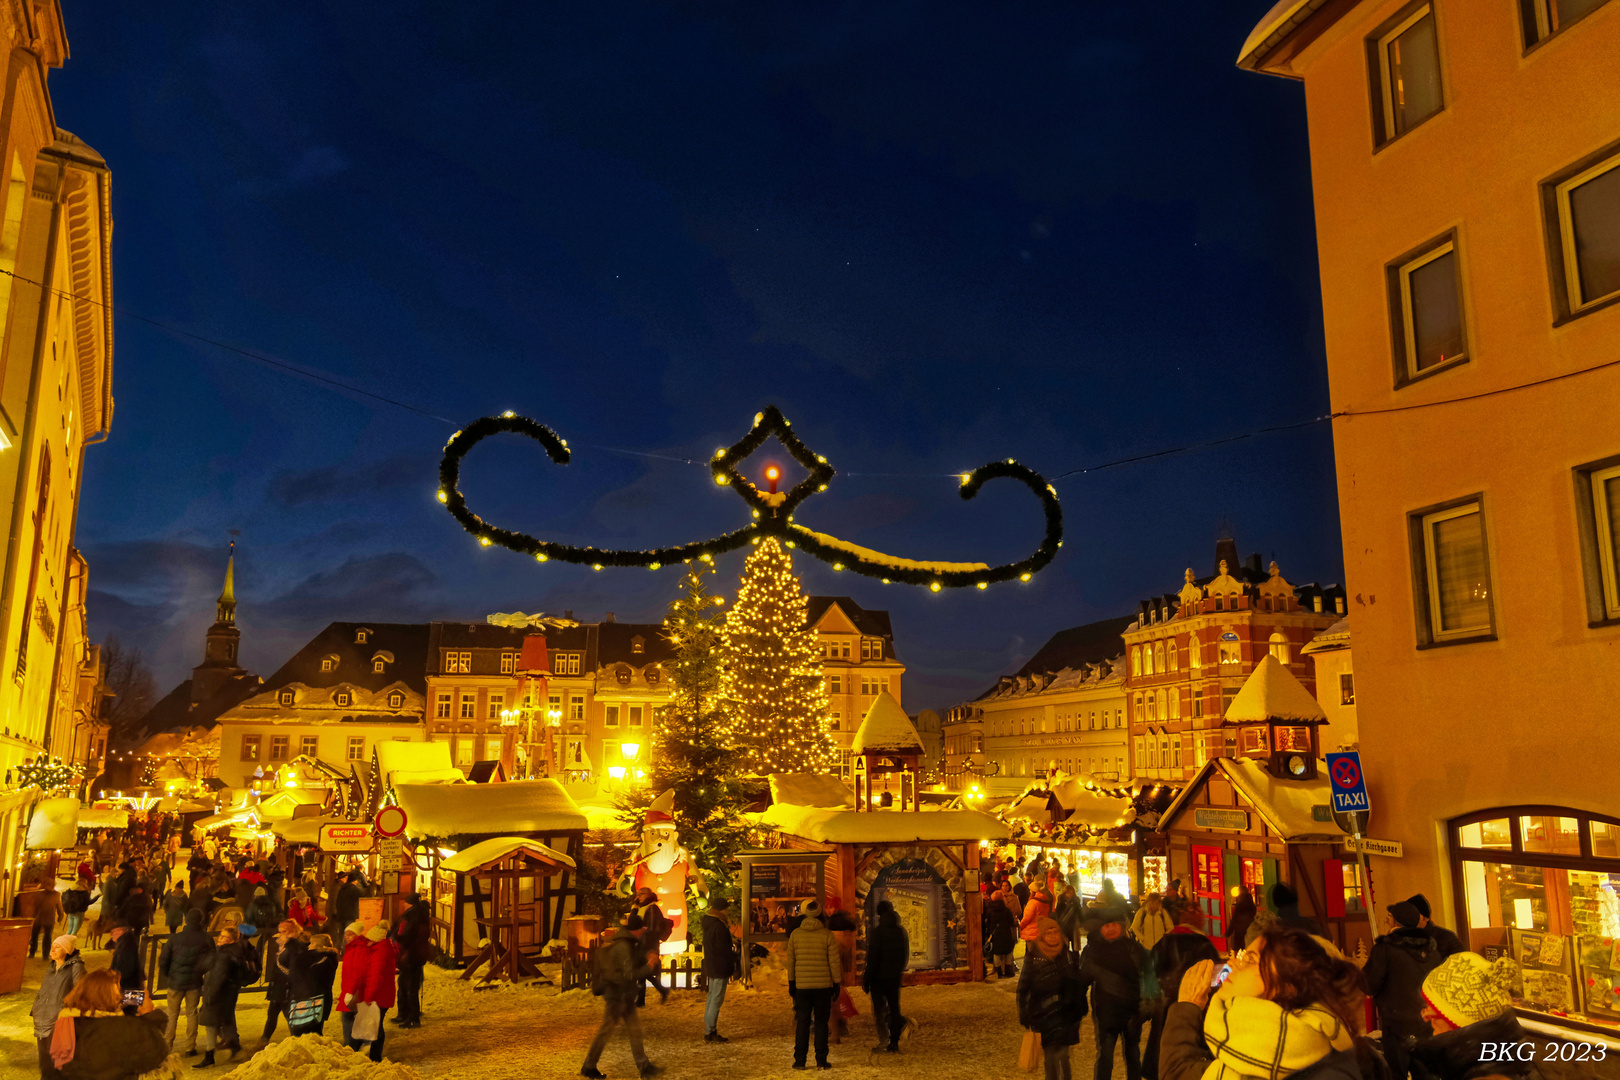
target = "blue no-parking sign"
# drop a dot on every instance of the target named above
(1349, 786)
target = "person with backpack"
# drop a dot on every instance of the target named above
(75, 902)
(888, 953)
(310, 972)
(1112, 967)
(656, 928)
(720, 964)
(1051, 997)
(814, 969)
(233, 964)
(621, 964)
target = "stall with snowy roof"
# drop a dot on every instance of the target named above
(444, 820)
(1262, 816)
(922, 858)
(504, 870)
(1082, 828)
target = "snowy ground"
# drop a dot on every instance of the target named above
(967, 1031)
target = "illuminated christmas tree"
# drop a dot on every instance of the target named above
(692, 747)
(772, 679)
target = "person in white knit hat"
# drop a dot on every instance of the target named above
(1468, 1002)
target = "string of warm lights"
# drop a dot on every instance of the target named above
(772, 511)
(47, 773)
(772, 676)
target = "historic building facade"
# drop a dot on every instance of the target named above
(1189, 652)
(858, 661)
(1335, 685)
(1470, 331)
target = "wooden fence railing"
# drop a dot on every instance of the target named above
(683, 971)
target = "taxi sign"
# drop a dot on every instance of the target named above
(1348, 784)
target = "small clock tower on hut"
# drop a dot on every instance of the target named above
(1276, 720)
(887, 751)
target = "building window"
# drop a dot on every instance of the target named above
(1454, 573)
(341, 698)
(1141, 716)
(576, 707)
(492, 748)
(1175, 703)
(1404, 66)
(497, 704)
(1426, 310)
(357, 748)
(464, 752)
(360, 636)
(1584, 225)
(835, 721)
(308, 745)
(1175, 751)
(565, 664)
(250, 748)
(1136, 660)
(1140, 755)
(1347, 688)
(1231, 650)
(508, 663)
(328, 663)
(1544, 18)
(835, 684)
(611, 716)
(635, 715)
(1597, 490)
(1279, 646)
(1525, 876)
(396, 700)
(379, 666)
(638, 644)
(1195, 656)
(469, 705)
(458, 663)
(441, 709)
(285, 697)
(278, 747)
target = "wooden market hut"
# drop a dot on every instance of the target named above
(924, 861)
(1264, 816)
(498, 870)
(445, 819)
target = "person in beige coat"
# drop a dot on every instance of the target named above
(814, 971)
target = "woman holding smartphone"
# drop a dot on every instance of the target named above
(1283, 1005)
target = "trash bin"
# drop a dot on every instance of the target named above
(13, 951)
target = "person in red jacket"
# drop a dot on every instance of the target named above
(382, 957)
(1038, 908)
(352, 979)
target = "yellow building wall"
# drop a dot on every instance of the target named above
(1530, 717)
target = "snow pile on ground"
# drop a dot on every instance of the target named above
(316, 1057)
(174, 1068)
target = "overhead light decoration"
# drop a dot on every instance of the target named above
(772, 511)
(47, 773)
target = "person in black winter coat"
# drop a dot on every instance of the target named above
(888, 953)
(415, 938)
(1003, 934)
(310, 972)
(1184, 946)
(1449, 944)
(1468, 1001)
(231, 966)
(126, 957)
(719, 965)
(346, 905)
(1111, 966)
(279, 950)
(1395, 970)
(136, 909)
(181, 963)
(1051, 997)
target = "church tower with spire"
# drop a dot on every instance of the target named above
(219, 664)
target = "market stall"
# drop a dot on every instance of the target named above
(1265, 817)
(503, 892)
(444, 819)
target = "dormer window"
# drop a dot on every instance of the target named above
(329, 663)
(621, 675)
(653, 675)
(378, 666)
(638, 644)
(396, 700)
(342, 699)
(285, 697)
(360, 636)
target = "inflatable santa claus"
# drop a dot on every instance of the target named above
(663, 866)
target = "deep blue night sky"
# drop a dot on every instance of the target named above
(935, 234)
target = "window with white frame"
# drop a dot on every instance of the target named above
(285, 697)
(457, 662)
(565, 663)
(328, 663)
(1175, 660)
(1597, 489)
(610, 716)
(396, 700)
(835, 721)
(360, 636)
(341, 698)
(379, 666)
(357, 748)
(469, 706)
(635, 715)
(278, 747)
(1585, 227)
(576, 707)
(1404, 67)
(497, 704)
(508, 663)
(1175, 751)
(1136, 660)
(1426, 309)
(308, 745)
(835, 684)
(1455, 584)
(443, 704)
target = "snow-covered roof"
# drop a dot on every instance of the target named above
(1286, 806)
(1088, 807)
(1272, 693)
(96, 817)
(229, 817)
(282, 803)
(602, 814)
(810, 789)
(488, 851)
(415, 763)
(886, 729)
(881, 826)
(518, 806)
(1336, 636)
(303, 830)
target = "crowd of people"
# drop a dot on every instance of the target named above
(232, 920)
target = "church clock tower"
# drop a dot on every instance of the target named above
(219, 664)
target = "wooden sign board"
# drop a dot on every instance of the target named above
(1208, 817)
(345, 837)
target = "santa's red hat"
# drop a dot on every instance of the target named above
(661, 808)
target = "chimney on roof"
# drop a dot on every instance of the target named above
(1226, 551)
(608, 617)
(568, 613)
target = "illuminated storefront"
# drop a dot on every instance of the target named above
(1542, 884)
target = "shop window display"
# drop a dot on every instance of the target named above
(1543, 886)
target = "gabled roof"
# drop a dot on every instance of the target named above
(1333, 638)
(1286, 806)
(886, 729)
(408, 642)
(1272, 693)
(1074, 648)
(873, 623)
